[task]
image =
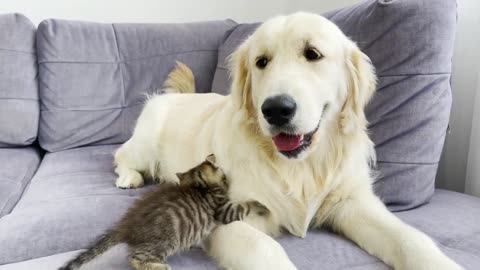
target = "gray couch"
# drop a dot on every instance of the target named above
(70, 93)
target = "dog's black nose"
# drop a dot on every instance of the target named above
(279, 110)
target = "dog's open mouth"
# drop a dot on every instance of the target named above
(291, 145)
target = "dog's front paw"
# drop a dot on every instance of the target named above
(436, 262)
(130, 179)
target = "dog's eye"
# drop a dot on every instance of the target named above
(261, 62)
(312, 54)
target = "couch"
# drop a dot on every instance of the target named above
(70, 93)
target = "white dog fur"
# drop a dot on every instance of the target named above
(329, 184)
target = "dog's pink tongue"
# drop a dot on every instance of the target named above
(286, 142)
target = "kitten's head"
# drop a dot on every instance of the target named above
(205, 175)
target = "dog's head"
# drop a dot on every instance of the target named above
(296, 73)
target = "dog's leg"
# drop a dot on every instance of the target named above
(364, 219)
(128, 166)
(240, 246)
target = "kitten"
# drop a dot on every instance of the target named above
(172, 218)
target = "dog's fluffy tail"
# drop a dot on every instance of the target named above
(103, 244)
(180, 80)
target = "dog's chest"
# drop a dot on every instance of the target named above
(293, 195)
(309, 189)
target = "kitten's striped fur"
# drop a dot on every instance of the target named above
(172, 218)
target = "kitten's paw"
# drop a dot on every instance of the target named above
(156, 266)
(164, 267)
(259, 208)
(139, 264)
(129, 179)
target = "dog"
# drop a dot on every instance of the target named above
(292, 135)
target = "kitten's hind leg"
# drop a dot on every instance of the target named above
(141, 265)
(148, 258)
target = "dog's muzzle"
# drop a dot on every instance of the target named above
(291, 145)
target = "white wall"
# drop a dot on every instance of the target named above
(466, 66)
(466, 62)
(472, 185)
(161, 11)
(143, 10)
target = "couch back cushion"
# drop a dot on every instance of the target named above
(19, 106)
(410, 42)
(94, 78)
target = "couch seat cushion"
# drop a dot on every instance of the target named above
(72, 199)
(17, 166)
(74, 175)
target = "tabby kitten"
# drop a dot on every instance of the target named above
(172, 218)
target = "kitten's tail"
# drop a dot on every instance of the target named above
(180, 80)
(103, 244)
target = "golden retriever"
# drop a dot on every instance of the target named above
(291, 135)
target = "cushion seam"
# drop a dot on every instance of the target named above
(414, 74)
(124, 60)
(99, 143)
(87, 110)
(406, 163)
(16, 51)
(2, 210)
(123, 77)
(20, 184)
(43, 178)
(36, 202)
(24, 185)
(28, 99)
(8, 180)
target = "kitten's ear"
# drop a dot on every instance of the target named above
(181, 177)
(184, 180)
(212, 160)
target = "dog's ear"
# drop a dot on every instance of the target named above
(361, 87)
(241, 79)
